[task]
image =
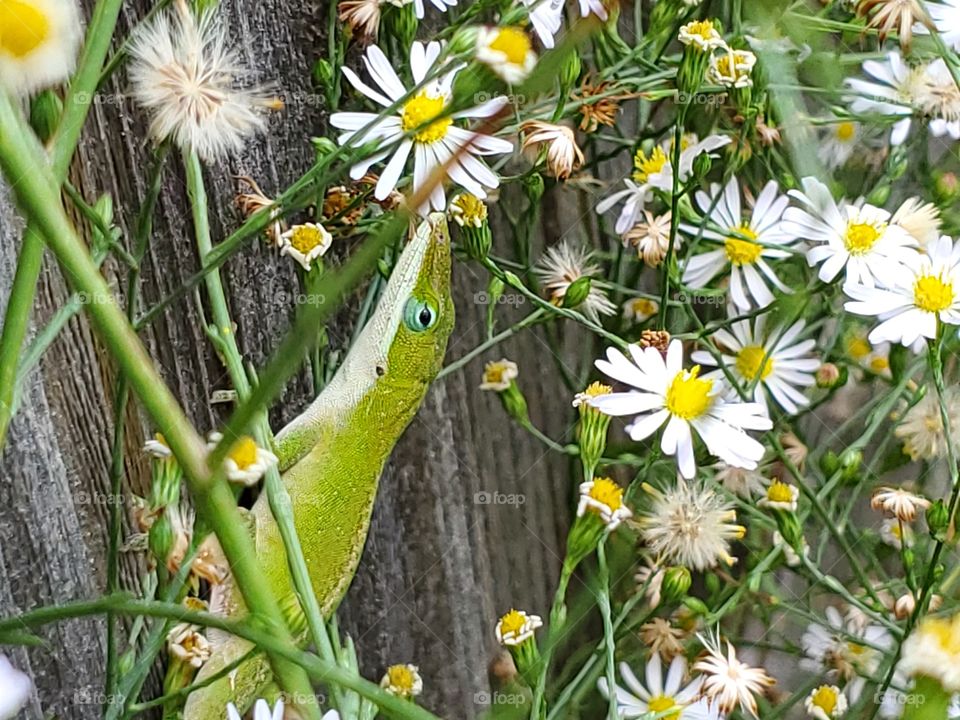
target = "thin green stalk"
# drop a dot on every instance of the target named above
(674, 216)
(280, 503)
(64, 143)
(603, 602)
(315, 667)
(558, 618)
(21, 157)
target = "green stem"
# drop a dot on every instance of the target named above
(317, 669)
(22, 158)
(64, 143)
(280, 504)
(674, 215)
(603, 601)
(558, 618)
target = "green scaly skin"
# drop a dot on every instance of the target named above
(332, 456)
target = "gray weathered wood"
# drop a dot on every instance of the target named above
(438, 568)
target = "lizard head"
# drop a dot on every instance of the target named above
(422, 283)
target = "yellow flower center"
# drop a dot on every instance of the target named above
(860, 237)
(606, 492)
(703, 28)
(662, 703)
(825, 698)
(723, 65)
(688, 396)
(512, 623)
(779, 492)
(597, 389)
(932, 294)
(244, 452)
(845, 131)
(417, 114)
(645, 166)
(753, 361)
(22, 28)
(495, 373)
(643, 306)
(305, 238)
(879, 364)
(858, 347)
(946, 631)
(514, 43)
(742, 252)
(471, 209)
(401, 679)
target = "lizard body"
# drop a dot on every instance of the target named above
(332, 456)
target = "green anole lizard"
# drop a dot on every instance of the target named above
(332, 455)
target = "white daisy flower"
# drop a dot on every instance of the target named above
(826, 703)
(946, 17)
(933, 650)
(402, 680)
(837, 143)
(667, 697)
(498, 374)
(563, 265)
(422, 127)
(186, 75)
(305, 243)
(546, 16)
(603, 497)
(420, 9)
(517, 627)
(261, 711)
(900, 503)
(925, 290)
(666, 393)
(892, 92)
(563, 154)
(690, 525)
(507, 51)
(747, 245)
(844, 648)
(16, 689)
(727, 681)
(246, 462)
(639, 309)
(655, 172)
(702, 34)
(771, 362)
(780, 496)
(38, 43)
(857, 238)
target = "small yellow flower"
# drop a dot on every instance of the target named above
(594, 389)
(305, 243)
(468, 210)
(246, 462)
(701, 34)
(516, 627)
(498, 375)
(38, 43)
(780, 496)
(403, 681)
(507, 51)
(826, 702)
(604, 498)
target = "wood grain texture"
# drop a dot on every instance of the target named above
(439, 566)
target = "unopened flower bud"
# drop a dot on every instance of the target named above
(830, 376)
(938, 520)
(323, 146)
(45, 112)
(880, 195)
(592, 430)
(946, 186)
(904, 606)
(676, 582)
(578, 291)
(702, 165)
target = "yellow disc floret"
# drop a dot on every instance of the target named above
(742, 252)
(753, 362)
(305, 238)
(660, 704)
(606, 492)
(22, 28)
(418, 113)
(688, 395)
(645, 166)
(825, 698)
(932, 293)
(514, 43)
(779, 492)
(860, 238)
(244, 452)
(845, 131)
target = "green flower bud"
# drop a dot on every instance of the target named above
(880, 195)
(696, 605)
(45, 112)
(533, 186)
(514, 403)
(570, 70)
(830, 376)
(676, 582)
(850, 462)
(938, 520)
(829, 463)
(578, 291)
(323, 73)
(593, 427)
(702, 165)
(323, 146)
(946, 186)
(584, 536)
(160, 539)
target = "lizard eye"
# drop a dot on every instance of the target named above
(419, 315)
